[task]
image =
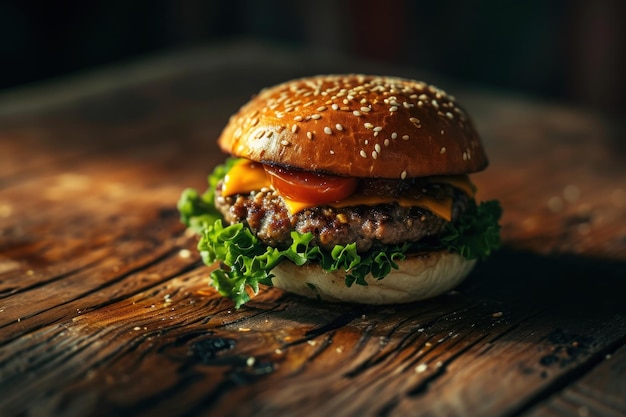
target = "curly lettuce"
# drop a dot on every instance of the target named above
(245, 262)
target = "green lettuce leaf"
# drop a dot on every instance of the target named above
(245, 262)
(476, 233)
(198, 210)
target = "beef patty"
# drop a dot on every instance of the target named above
(269, 219)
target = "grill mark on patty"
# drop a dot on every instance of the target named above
(269, 219)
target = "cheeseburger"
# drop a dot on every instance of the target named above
(347, 188)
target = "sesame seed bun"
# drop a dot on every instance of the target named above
(419, 277)
(356, 125)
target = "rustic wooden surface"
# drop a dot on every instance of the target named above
(105, 307)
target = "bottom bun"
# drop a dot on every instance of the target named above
(418, 277)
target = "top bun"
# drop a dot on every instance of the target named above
(358, 126)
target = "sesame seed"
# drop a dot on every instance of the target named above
(421, 368)
(328, 130)
(386, 142)
(393, 108)
(374, 154)
(321, 108)
(332, 152)
(366, 141)
(414, 120)
(365, 109)
(449, 115)
(338, 126)
(363, 101)
(378, 129)
(363, 154)
(310, 135)
(442, 131)
(408, 105)
(315, 116)
(464, 156)
(368, 125)
(335, 107)
(356, 113)
(403, 175)
(442, 150)
(345, 108)
(350, 97)
(298, 118)
(376, 134)
(284, 142)
(294, 128)
(394, 135)
(405, 137)
(377, 147)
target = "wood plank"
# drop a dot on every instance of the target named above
(414, 357)
(601, 392)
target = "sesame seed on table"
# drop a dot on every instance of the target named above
(105, 307)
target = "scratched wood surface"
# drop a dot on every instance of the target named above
(105, 308)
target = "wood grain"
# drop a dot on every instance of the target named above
(105, 307)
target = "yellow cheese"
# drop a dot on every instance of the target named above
(442, 208)
(297, 206)
(246, 176)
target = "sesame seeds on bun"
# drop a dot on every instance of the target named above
(358, 126)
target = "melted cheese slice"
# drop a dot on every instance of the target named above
(246, 176)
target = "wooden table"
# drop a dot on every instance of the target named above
(105, 307)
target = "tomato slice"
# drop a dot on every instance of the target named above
(310, 187)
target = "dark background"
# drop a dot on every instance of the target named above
(570, 51)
